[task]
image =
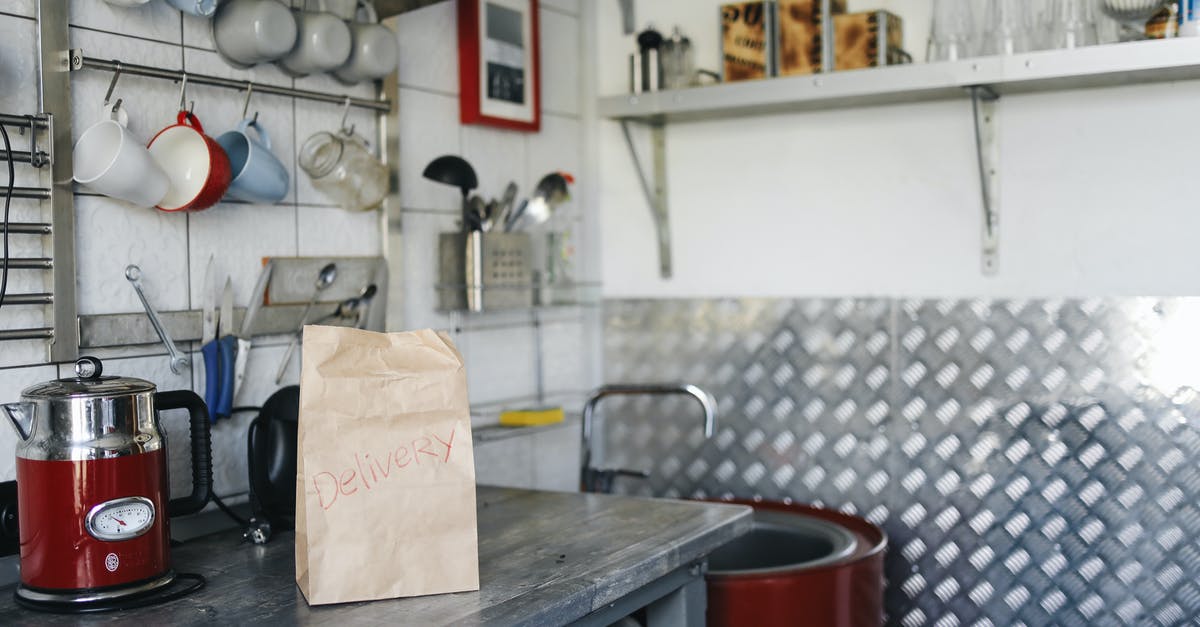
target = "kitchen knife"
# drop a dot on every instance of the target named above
(244, 337)
(226, 353)
(208, 343)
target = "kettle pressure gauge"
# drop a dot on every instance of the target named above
(120, 519)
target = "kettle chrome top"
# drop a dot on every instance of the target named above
(88, 416)
(87, 382)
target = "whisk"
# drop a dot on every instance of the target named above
(1133, 15)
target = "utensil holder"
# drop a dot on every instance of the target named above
(480, 271)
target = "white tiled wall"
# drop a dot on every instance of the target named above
(171, 249)
(514, 359)
(885, 201)
(517, 359)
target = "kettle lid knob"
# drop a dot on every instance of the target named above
(88, 368)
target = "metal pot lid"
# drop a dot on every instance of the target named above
(87, 383)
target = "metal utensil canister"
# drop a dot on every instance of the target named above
(645, 65)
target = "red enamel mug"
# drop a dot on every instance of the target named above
(196, 165)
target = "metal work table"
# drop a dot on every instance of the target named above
(545, 558)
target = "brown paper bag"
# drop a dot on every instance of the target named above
(385, 474)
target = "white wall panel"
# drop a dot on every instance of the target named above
(885, 200)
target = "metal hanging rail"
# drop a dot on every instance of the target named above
(42, 298)
(27, 334)
(78, 62)
(34, 193)
(31, 263)
(23, 120)
(24, 156)
(28, 228)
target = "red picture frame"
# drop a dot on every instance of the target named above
(499, 64)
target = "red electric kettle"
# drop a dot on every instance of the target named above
(93, 497)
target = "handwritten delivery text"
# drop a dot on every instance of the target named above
(369, 471)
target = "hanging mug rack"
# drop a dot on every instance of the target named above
(81, 62)
(52, 127)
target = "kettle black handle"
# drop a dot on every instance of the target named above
(201, 450)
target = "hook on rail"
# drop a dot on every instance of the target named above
(184, 105)
(246, 102)
(112, 84)
(346, 116)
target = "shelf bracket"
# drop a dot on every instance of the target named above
(655, 188)
(983, 107)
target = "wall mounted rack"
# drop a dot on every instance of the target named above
(982, 80)
(81, 62)
(49, 135)
(132, 329)
(32, 124)
(290, 285)
(29, 127)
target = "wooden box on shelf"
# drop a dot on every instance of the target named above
(801, 26)
(747, 41)
(868, 39)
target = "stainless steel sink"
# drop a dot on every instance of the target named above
(782, 542)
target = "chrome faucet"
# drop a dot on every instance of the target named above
(598, 480)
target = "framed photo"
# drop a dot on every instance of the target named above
(498, 63)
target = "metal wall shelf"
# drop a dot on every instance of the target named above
(1051, 70)
(982, 81)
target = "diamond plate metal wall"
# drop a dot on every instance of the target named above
(1033, 462)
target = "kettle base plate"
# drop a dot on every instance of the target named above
(168, 587)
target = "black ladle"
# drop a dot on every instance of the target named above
(455, 171)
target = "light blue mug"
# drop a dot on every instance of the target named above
(258, 176)
(199, 8)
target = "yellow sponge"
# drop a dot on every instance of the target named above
(531, 417)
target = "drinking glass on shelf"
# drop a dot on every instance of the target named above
(1072, 24)
(1133, 15)
(1008, 27)
(950, 31)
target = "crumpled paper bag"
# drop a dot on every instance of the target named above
(385, 473)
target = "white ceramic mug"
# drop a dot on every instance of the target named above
(374, 52)
(249, 32)
(322, 43)
(109, 160)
